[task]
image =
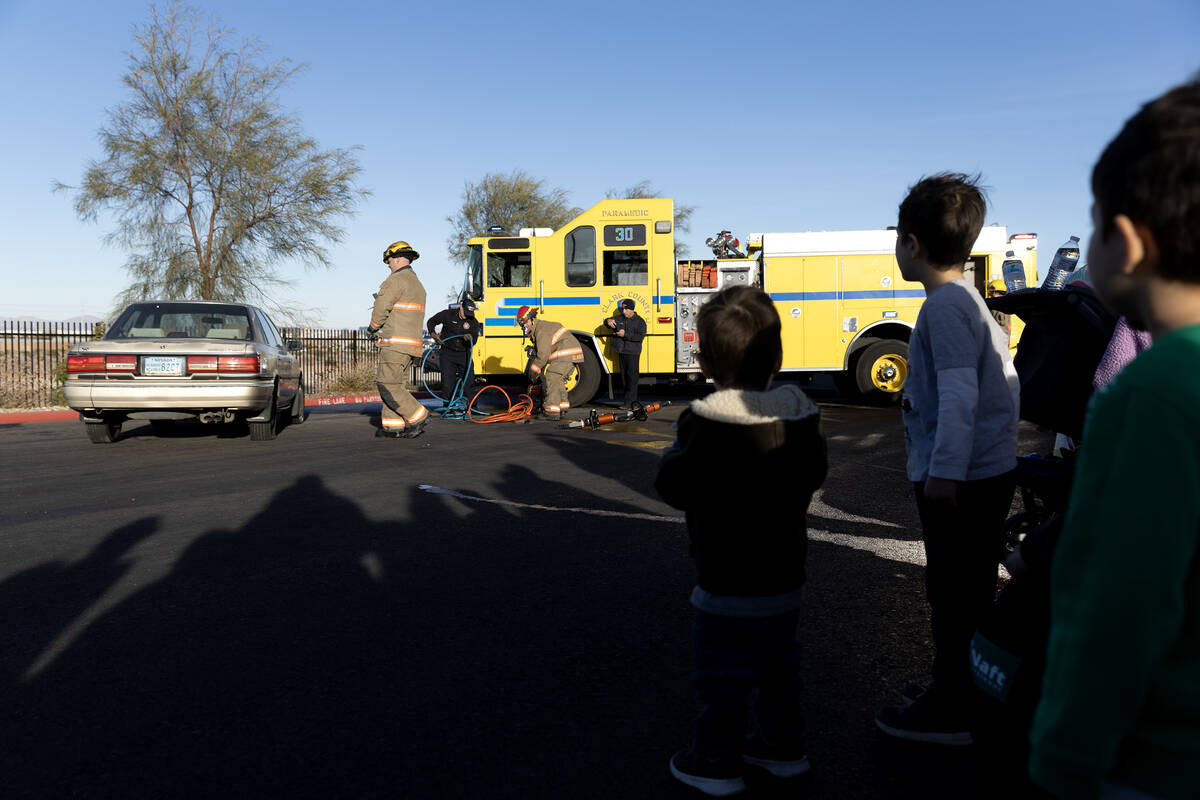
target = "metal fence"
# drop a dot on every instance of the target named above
(33, 361)
(344, 360)
(334, 357)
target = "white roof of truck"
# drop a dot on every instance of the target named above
(815, 243)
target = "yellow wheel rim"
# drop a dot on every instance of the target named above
(888, 373)
(572, 378)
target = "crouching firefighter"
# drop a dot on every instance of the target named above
(555, 354)
(398, 319)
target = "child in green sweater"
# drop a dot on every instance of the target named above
(1120, 708)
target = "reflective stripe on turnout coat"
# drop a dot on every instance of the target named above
(552, 342)
(400, 310)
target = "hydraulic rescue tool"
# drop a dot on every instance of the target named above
(595, 419)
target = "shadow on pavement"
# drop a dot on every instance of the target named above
(469, 650)
(472, 651)
(638, 465)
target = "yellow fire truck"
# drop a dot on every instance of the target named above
(845, 308)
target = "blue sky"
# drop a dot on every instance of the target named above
(767, 116)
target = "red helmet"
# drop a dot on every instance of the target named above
(525, 311)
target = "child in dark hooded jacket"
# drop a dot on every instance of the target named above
(749, 549)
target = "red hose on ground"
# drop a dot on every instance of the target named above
(515, 413)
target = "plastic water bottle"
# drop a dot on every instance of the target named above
(1013, 271)
(1063, 265)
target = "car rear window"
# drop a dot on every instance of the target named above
(182, 320)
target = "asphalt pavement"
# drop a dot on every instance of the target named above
(491, 611)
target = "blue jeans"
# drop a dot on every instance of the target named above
(734, 657)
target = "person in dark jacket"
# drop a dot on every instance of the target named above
(457, 331)
(749, 551)
(630, 330)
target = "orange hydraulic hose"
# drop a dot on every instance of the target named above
(515, 413)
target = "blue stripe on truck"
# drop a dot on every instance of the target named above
(870, 294)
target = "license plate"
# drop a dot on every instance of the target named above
(162, 365)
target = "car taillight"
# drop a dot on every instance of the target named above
(222, 363)
(202, 364)
(85, 364)
(120, 363)
(238, 364)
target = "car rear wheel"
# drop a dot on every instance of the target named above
(264, 430)
(298, 404)
(103, 432)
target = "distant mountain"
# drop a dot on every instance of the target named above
(82, 319)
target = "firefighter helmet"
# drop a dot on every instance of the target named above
(400, 249)
(526, 312)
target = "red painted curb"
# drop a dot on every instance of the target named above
(355, 399)
(351, 399)
(19, 417)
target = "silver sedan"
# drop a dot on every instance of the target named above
(173, 360)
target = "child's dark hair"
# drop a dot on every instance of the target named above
(1151, 173)
(740, 338)
(945, 213)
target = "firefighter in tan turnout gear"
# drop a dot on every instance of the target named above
(398, 319)
(555, 353)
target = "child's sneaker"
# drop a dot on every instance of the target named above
(717, 780)
(926, 720)
(910, 693)
(777, 761)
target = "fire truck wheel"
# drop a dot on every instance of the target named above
(585, 380)
(881, 370)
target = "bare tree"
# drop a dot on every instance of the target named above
(512, 201)
(211, 183)
(646, 190)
